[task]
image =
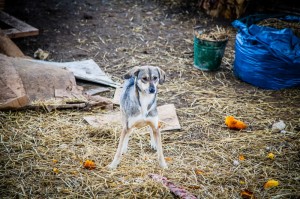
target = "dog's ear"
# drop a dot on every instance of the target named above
(132, 72)
(162, 75)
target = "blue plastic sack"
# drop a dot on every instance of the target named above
(267, 57)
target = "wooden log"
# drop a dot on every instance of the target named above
(8, 47)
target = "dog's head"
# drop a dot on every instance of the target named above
(147, 77)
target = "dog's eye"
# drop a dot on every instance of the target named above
(154, 78)
(145, 79)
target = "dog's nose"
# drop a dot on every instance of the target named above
(152, 90)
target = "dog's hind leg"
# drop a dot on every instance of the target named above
(157, 137)
(118, 154)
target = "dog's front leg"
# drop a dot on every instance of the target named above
(161, 158)
(125, 143)
(118, 154)
(152, 140)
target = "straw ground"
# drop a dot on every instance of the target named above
(42, 153)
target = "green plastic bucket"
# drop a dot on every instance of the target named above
(208, 54)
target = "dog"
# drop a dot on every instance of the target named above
(138, 108)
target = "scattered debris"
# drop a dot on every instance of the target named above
(270, 184)
(41, 54)
(199, 172)
(168, 159)
(246, 194)
(271, 156)
(283, 131)
(55, 170)
(278, 126)
(232, 123)
(236, 163)
(242, 157)
(176, 190)
(89, 164)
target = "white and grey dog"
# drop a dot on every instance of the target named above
(138, 108)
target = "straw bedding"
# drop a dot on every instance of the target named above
(280, 24)
(42, 153)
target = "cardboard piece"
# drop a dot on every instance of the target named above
(112, 118)
(117, 94)
(166, 113)
(96, 91)
(168, 117)
(87, 70)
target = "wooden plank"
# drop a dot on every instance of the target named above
(20, 28)
(117, 96)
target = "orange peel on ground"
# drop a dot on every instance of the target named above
(242, 157)
(199, 171)
(233, 123)
(168, 159)
(271, 156)
(246, 194)
(89, 164)
(270, 184)
(55, 170)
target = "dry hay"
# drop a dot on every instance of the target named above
(281, 24)
(214, 34)
(30, 141)
(201, 155)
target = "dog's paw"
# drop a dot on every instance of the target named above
(153, 145)
(163, 165)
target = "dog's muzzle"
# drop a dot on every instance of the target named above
(151, 89)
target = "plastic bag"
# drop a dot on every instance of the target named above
(267, 57)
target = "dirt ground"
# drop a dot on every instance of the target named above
(203, 155)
